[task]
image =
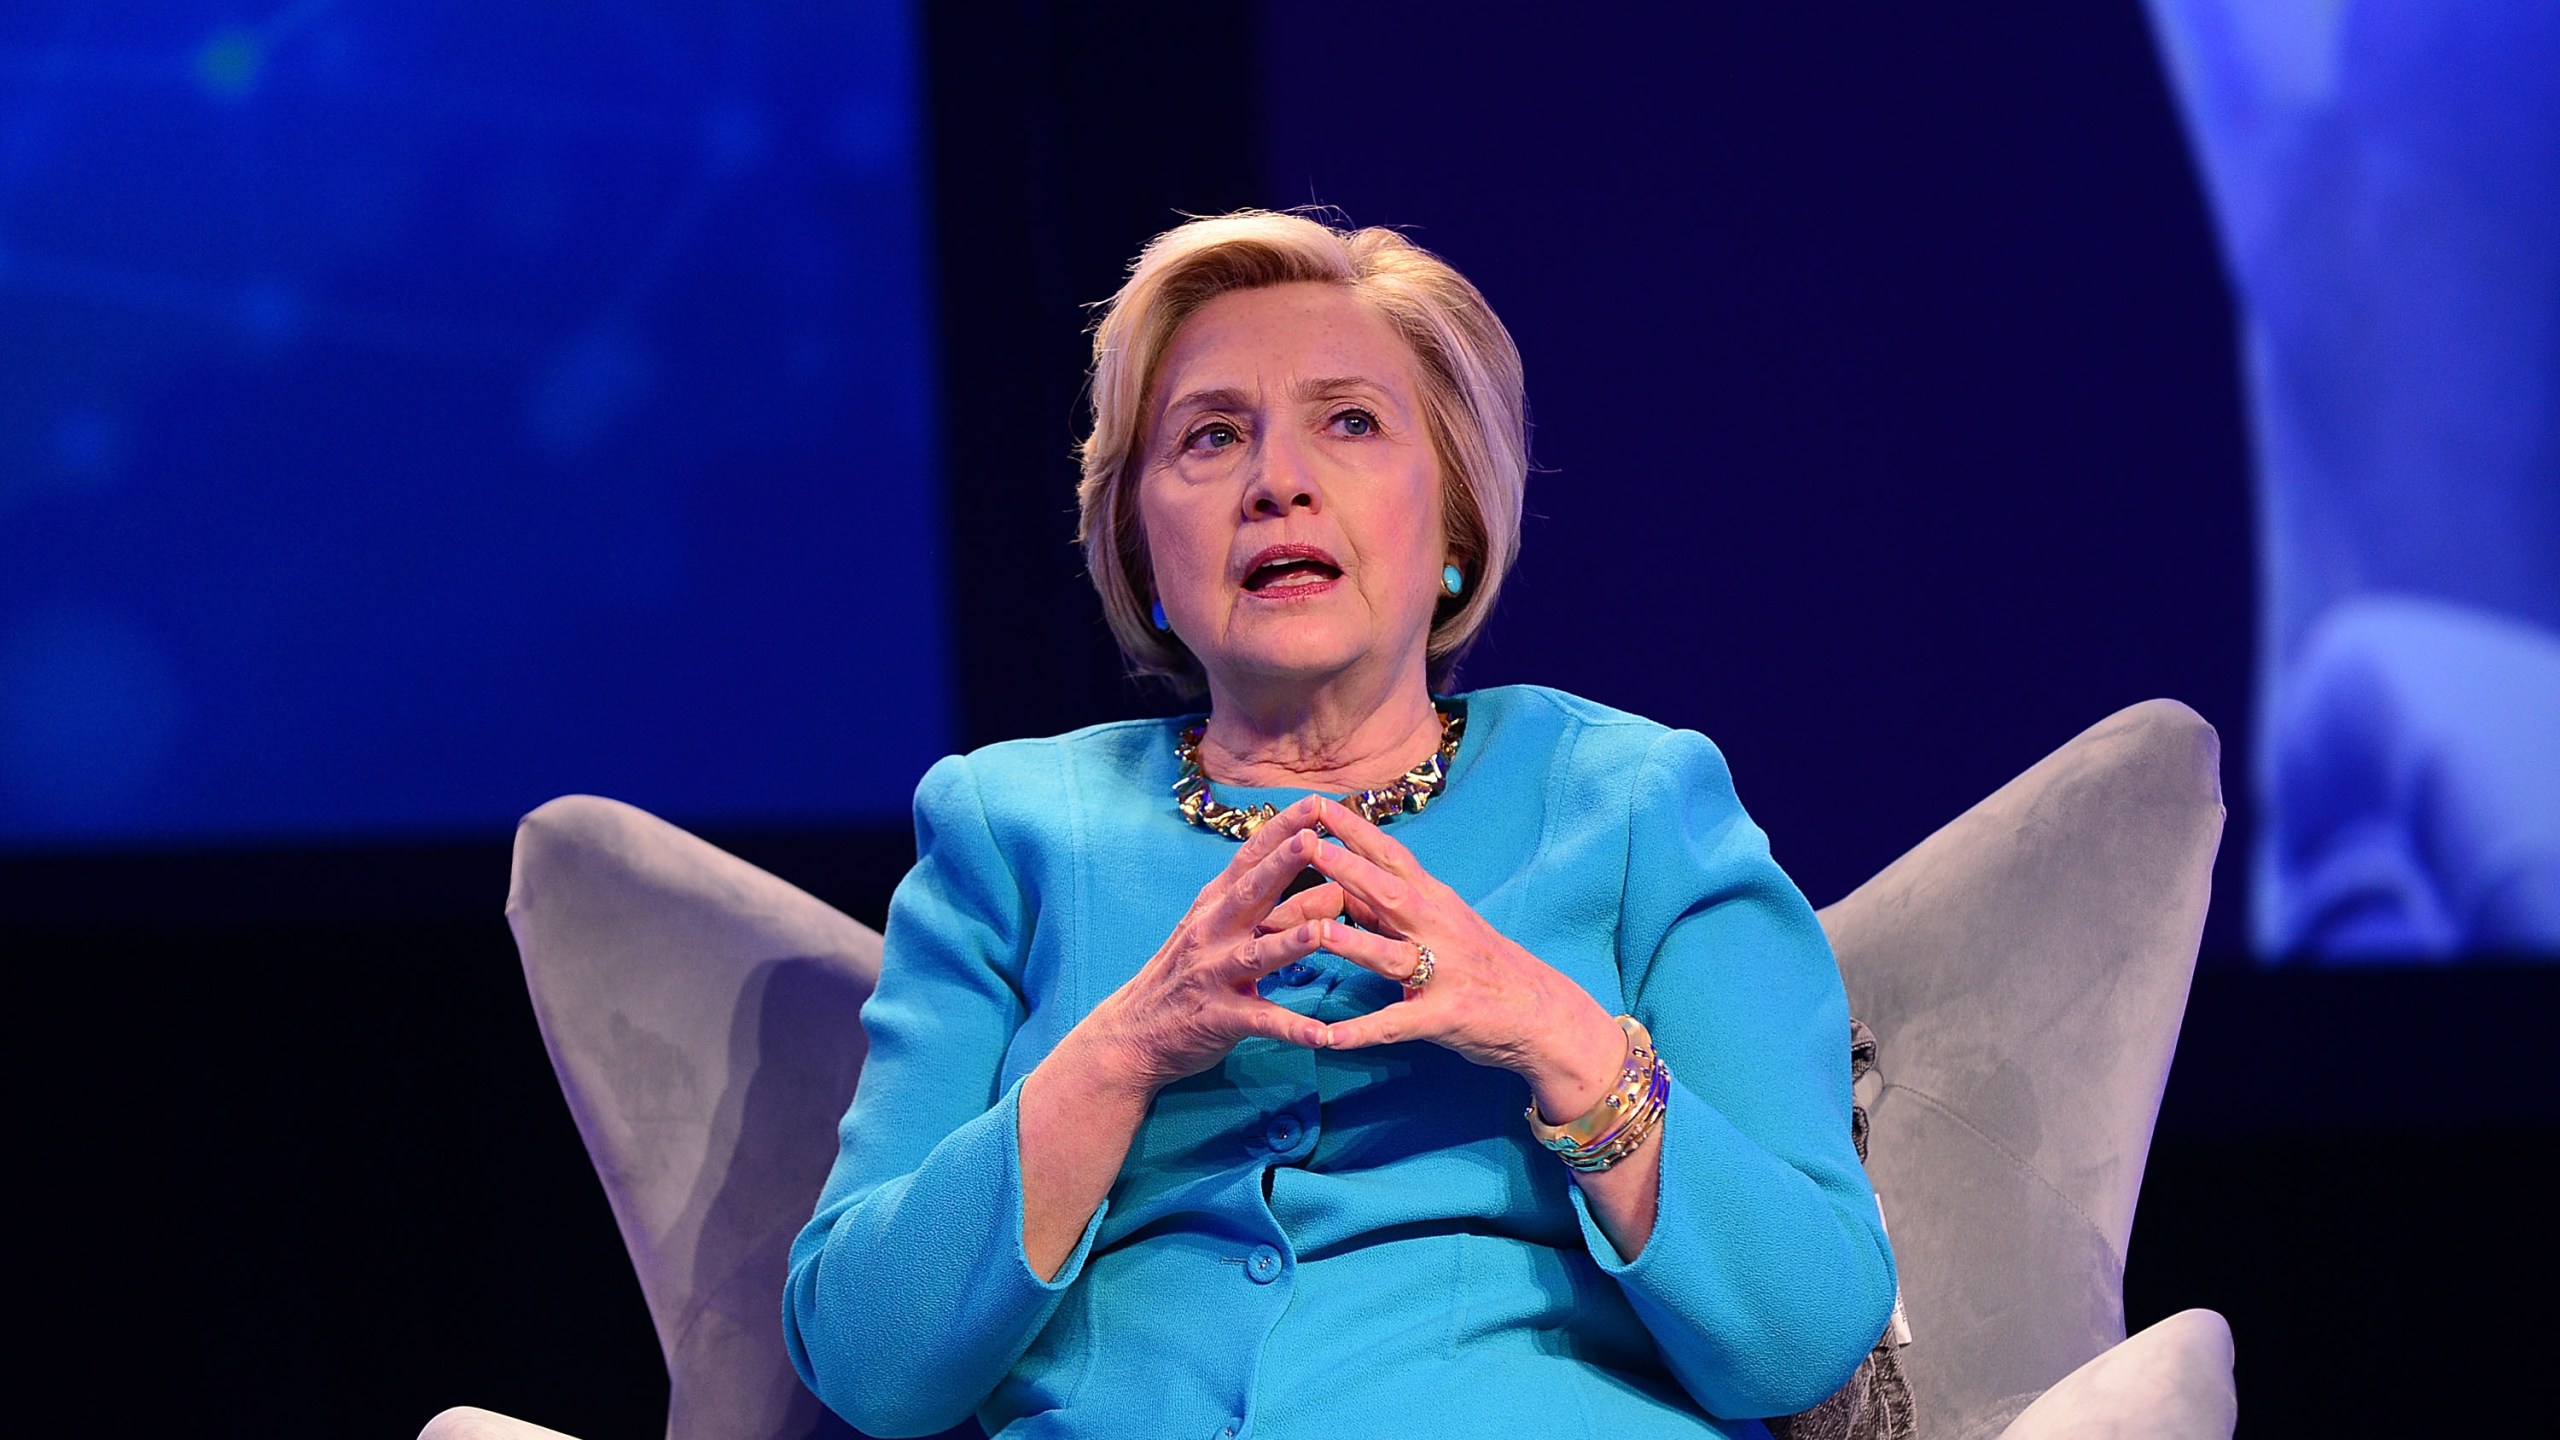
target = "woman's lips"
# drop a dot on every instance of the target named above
(1283, 571)
(1293, 577)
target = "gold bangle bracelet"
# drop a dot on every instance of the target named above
(1640, 1089)
(1630, 1137)
(1631, 1115)
(1609, 1110)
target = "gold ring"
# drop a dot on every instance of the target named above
(1422, 968)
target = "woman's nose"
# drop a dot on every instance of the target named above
(1282, 480)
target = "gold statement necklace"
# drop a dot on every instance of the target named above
(1405, 796)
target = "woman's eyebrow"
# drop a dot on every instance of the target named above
(1224, 397)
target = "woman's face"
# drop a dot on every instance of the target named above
(1289, 494)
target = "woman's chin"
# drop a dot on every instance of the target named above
(1305, 654)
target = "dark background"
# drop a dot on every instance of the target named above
(1889, 429)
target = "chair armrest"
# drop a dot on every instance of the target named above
(2171, 1382)
(703, 1018)
(2025, 970)
(464, 1423)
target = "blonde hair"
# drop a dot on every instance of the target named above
(1472, 403)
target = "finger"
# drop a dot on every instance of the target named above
(1365, 883)
(1215, 898)
(1267, 951)
(1378, 1027)
(1277, 1022)
(1319, 902)
(1249, 896)
(1300, 817)
(1362, 913)
(1367, 839)
(1394, 959)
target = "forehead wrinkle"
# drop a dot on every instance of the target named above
(1325, 387)
(1307, 391)
(1210, 349)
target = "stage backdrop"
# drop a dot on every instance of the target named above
(2386, 176)
(410, 411)
(1887, 425)
(1889, 385)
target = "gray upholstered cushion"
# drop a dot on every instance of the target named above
(2025, 970)
(702, 1016)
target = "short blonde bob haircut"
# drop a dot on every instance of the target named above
(1472, 403)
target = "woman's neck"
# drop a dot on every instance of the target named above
(1323, 737)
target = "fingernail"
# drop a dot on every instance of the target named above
(1324, 1038)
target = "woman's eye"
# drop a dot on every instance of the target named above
(1357, 422)
(1217, 435)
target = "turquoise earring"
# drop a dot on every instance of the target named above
(1158, 616)
(1453, 580)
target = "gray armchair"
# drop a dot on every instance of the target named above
(2024, 970)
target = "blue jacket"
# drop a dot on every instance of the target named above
(1347, 1243)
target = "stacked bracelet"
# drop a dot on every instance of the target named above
(1621, 1121)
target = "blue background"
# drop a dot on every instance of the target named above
(411, 411)
(2385, 175)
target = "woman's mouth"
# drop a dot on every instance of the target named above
(1287, 570)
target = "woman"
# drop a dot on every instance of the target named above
(1186, 1110)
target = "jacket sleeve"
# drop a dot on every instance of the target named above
(1767, 1276)
(909, 1296)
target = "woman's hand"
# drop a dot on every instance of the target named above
(1189, 1005)
(1180, 1014)
(1488, 999)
